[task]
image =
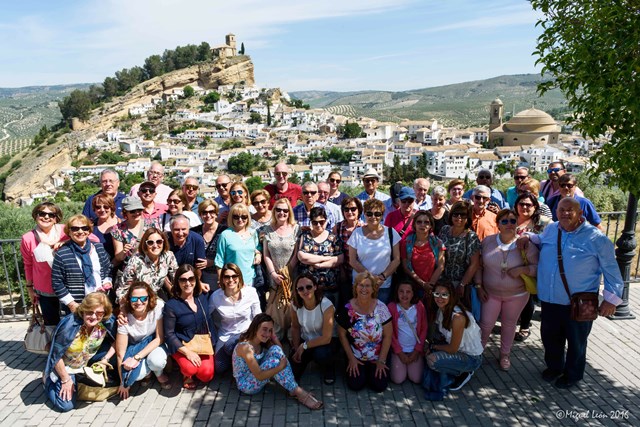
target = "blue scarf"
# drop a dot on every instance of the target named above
(85, 258)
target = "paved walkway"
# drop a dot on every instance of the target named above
(609, 395)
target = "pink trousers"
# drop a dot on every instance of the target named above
(400, 371)
(508, 308)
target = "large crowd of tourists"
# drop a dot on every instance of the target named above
(371, 289)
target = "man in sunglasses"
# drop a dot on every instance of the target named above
(551, 187)
(568, 184)
(497, 201)
(155, 174)
(150, 208)
(282, 188)
(371, 181)
(223, 199)
(190, 188)
(519, 176)
(109, 183)
(484, 221)
(310, 200)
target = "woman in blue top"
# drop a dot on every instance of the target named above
(239, 244)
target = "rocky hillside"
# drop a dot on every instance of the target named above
(33, 174)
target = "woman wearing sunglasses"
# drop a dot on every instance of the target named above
(260, 202)
(234, 307)
(139, 348)
(319, 254)
(240, 194)
(176, 204)
(500, 287)
(375, 248)
(154, 264)
(79, 265)
(457, 353)
(239, 244)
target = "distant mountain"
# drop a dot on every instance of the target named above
(461, 104)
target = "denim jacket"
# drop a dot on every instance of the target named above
(66, 332)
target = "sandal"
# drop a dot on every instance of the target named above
(147, 380)
(165, 382)
(522, 335)
(189, 384)
(309, 400)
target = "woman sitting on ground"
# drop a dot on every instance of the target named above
(311, 329)
(139, 341)
(81, 339)
(409, 321)
(258, 357)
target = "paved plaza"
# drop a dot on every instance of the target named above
(609, 394)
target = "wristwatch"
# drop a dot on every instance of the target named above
(137, 358)
(304, 345)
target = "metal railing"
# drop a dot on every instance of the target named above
(14, 300)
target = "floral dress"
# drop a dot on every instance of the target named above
(458, 254)
(280, 247)
(141, 269)
(326, 277)
(364, 331)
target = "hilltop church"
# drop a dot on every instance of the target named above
(528, 127)
(226, 50)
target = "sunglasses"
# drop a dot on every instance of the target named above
(520, 177)
(141, 299)
(376, 214)
(335, 181)
(554, 170)
(146, 191)
(306, 193)
(423, 223)
(102, 208)
(316, 223)
(567, 185)
(230, 276)
(191, 279)
(506, 221)
(442, 295)
(94, 313)
(75, 229)
(457, 190)
(173, 201)
(484, 176)
(260, 202)
(350, 209)
(477, 197)
(526, 205)
(407, 201)
(47, 214)
(158, 242)
(240, 217)
(369, 181)
(281, 173)
(209, 212)
(282, 210)
(222, 185)
(458, 215)
(191, 187)
(304, 288)
(236, 192)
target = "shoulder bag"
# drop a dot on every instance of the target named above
(530, 283)
(38, 338)
(201, 343)
(584, 305)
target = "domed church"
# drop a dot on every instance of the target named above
(528, 127)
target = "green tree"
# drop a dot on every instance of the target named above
(350, 130)
(110, 86)
(231, 144)
(254, 183)
(188, 91)
(589, 48)
(241, 51)
(153, 66)
(293, 159)
(245, 163)
(255, 117)
(77, 104)
(211, 97)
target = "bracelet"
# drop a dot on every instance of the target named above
(29, 286)
(478, 285)
(383, 276)
(66, 381)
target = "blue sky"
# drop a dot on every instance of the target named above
(295, 44)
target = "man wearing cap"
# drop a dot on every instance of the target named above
(485, 178)
(421, 188)
(150, 208)
(323, 198)
(401, 218)
(109, 183)
(310, 200)
(282, 188)
(155, 174)
(190, 188)
(393, 203)
(551, 187)
(371, 180)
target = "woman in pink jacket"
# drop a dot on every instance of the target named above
(409, 322)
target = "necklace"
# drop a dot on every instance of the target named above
(504, 248)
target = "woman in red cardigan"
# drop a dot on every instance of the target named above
(409, 321)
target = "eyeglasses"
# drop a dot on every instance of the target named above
(230, 276)
(556, 170)
(423, 223)
(316, 223)
(141, 299)
(307, 193)
(567, 185)
(304, 288)
(407, 201)
(484, 176)
(458, 215)
(209, 212)
(526, 205)
(191, 279)
(478, 197)
(240, 217)
(146, 190)
(282, 210)
(442, 295)
(506, 221)
(457, 189)
(99, 313)
(155, 173)
(158, 242)
(350, 209)
(260, 202)
(236, 192)
(376, 214)
(369, 180)
(520, 177)
(281, 173)
(102, 208)
(51, 215)
(75, 229)
(335, 181)
(191, 187)
(222, 185)
(173, 201)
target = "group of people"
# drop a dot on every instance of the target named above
(409, 284)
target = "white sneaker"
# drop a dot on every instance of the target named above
(460, 381)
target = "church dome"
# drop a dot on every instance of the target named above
(531, 120)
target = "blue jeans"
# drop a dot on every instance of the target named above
(384, 294)
(441, 370)
(52, 390)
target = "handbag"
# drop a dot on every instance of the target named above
(94, 385)
(38, 337)
(584, 305)
(201, 343)
(90, 393)
(530, 283)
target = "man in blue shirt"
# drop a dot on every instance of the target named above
(519, 176)
(568, 185)
(587, 255)
(310, 200)
(109, 183)
(187, 246)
